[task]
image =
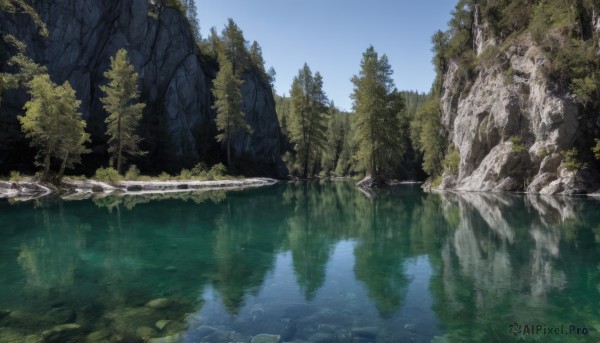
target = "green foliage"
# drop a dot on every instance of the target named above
(431, 138)
(307, 124)
(452, 161)
(54, 125)
(199, 170)
(571, 160)
(437, 182)
(217, 172)
(108, 174)
(228, 103)
(124, 109)
(517, 145)
(377, 106)
(543, 153)
(15, 176)
(596, 149)
(185, 174)
(164, 176)
(133, 173)
(21, 6)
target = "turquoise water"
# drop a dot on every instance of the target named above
(310, 262)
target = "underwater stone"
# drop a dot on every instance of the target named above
(145, 332)
(62, 334)
(365, 332)
(167, 339)
(265, 338)
(323, 338)
(98, 336)
(61, 315)
(159, 303)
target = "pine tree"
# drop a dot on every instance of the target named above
(53, 124)
(307, 122)
(192, 16)
(234, 47)
(377, 106)
(124, 110)
(228, 103)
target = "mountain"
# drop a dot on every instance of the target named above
(519, 86)
(175, 82)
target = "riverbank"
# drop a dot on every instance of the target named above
(30, 189)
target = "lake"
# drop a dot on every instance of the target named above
(309, 262)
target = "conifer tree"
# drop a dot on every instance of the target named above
(234, 47)
(308, 122)
(191, 13)
(53, 124)
(377, 106)
(124, 109)
(228, 104)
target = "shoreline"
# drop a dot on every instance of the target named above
(30, 190)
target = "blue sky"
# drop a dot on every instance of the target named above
(331, 35)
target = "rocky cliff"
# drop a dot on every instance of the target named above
(512, 123)
(175, 82)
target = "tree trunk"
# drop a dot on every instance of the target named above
(63, 165)
(46, 172)
(228, 154)
(120, 149)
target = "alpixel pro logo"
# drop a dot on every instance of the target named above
(517, 329)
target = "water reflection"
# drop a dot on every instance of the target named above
(310, 261)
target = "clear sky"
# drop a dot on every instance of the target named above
(331, 35)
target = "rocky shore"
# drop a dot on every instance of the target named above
(28, 190)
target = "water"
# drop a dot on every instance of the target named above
(311, 262)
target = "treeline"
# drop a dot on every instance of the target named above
(380, 138)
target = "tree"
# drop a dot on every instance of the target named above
(124, 110)
(432, 140)
(228, 103)
(191, 13)
(377, 106)
(234, 47)
(53, 124)
(307, 122)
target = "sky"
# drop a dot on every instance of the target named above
(331, 36)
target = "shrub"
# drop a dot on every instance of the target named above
(164, 176)
(185, 174)
(452, 160)
(543, 153)
(216, 172)
(15, 176)
(107, 175)
(596, 149)
(133, 173)
(517, 145)
(437, 182)
(199, 170)
(571, 161)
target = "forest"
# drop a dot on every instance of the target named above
(389, 134)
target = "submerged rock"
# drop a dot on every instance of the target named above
(60, 315)
(167, 339)
(369, 332)
(323, 338)
(65, 333)
(159, 303)
(265, 338)
(145, 332)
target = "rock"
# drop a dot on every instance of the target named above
(98, 336)
(134, 188)
(182, 186)
(97, 189)
(167, 339)
(289, 331)
(323, 338)
(170, 326)
(174, 81)
(65, 333)
(33, 339)
(145, 332)
(484, 114)
(265, 338)
(368, 332)
(160, 303)
(60, 315)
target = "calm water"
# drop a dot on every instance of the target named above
(311, 262)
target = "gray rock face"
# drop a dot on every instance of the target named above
(178, 126)
(503, 102)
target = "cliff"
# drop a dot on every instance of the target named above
(511, 122)
(175, 82)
